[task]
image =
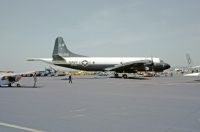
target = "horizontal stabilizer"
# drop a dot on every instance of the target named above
(46, 60)
(34, 59)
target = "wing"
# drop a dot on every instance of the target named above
(14, 77)
(192, 75)
(130, 67)
(195, 67)
(25, 73)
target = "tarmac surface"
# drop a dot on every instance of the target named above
(160, 104)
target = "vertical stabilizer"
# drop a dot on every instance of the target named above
(60, 50)
(189, 60)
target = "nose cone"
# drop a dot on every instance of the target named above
(166, 66)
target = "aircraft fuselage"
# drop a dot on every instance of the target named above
(101, 63)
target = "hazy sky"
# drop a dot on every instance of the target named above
(161, 28)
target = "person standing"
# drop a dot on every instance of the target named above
(70, 78)
(35, 79)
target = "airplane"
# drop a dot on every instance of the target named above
(192, 75)
(7, 79)
(63, 57)
(195, 73)
(190, 62)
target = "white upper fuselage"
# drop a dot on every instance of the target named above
(102, 60)
(106, 60)
(96, 63)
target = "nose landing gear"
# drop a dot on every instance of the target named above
(18, 85)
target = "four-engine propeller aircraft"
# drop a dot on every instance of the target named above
(7, 79)
(65, 58)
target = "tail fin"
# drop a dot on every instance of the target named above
(60, 50)
(189, 60)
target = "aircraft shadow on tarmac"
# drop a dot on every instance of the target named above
(136, 78)
(195, 81)
(23, 86)
(93, 77)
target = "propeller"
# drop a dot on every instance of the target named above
(149, 66)
(152, 64)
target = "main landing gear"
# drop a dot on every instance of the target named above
(9, 85)
(124, 75)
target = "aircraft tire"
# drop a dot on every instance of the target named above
(18, 85)
(116, 75)
(9, 85)
(125, 76)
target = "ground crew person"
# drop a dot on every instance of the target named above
(70, 78)
(35, 80)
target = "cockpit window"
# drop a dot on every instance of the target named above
(161, 61)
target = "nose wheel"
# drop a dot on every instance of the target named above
(116, 75)
(18, 85)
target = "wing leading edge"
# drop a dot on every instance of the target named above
(129, 66)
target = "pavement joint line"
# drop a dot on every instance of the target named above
(19, 127)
